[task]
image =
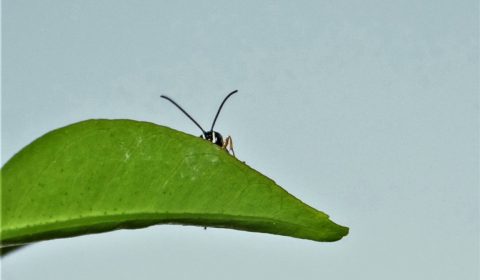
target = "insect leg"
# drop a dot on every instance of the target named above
(228, 145)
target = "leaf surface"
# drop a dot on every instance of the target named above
(101, 175)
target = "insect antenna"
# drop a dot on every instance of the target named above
(181, 109)
(220, 108)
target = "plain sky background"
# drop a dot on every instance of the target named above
(366, 110)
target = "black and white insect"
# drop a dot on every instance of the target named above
(211, 135)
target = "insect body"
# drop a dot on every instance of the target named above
(211, 135)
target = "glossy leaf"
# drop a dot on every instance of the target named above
(101, 175)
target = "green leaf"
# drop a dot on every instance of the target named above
(101, 175)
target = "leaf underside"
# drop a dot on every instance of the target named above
(101, 175)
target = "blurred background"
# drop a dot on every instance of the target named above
(366, 110)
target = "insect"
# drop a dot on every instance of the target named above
(211, 135)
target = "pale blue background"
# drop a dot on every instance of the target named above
(367, 110)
